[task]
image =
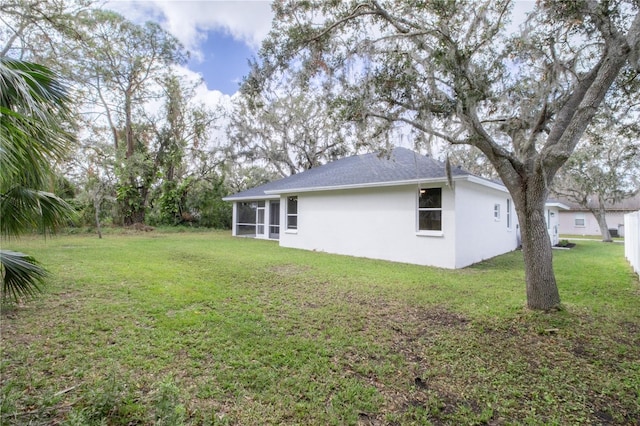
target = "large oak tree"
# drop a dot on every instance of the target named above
(122, 65)
(289, 130)
(452, 70)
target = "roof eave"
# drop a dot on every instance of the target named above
(249, 198)
(558, 205)
(470, 178)
(352, 186)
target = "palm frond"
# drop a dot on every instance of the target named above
(21, 275)
(23, 209)
(33, 110)
(30, 87)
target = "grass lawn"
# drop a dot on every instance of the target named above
(202, 328)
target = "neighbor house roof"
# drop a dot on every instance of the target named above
(628, 204)
(397, 167)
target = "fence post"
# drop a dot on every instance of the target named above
(632, 239)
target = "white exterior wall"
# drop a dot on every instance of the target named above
(381, 223)
(479, 234)
(378, 223)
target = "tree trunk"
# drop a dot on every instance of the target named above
(542, 290)
(128, 125)
(135, 216)
(97, 200)
(601, 216)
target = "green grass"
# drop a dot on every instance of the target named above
(201, 328)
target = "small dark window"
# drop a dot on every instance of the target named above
(430, 209)
(292, 212)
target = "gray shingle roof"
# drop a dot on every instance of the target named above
(400, 165)
(628, 204)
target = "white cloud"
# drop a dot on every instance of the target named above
(248, 21)
(210, 98)
(220, 103)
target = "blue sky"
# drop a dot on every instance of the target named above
(223, 63)
(222, 35)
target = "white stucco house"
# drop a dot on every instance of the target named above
(399, 206)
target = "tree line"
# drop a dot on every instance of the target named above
(144, 149)
(140, 149)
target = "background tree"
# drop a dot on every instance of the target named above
(451, 70)
(204, 202)
(605, 169)
(92, 168)
(470, 159)
(119, 73)
(34, 117)
(240, 177)
(286, 129)
(123, 64)
(40, 31)
(183, 151)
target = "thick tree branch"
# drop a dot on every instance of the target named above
(355, 13)
(577, 112)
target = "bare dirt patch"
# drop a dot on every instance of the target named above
(288, 270)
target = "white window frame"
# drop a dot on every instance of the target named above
(429, 232)
(496, 212)
(292, 228)
(260, 211)
(577, 217)
(509, 224)
(255, 205)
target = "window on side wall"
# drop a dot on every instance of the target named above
(292, 212)
(579, 220)
(496, 212)
(508, 213)
(430, 209)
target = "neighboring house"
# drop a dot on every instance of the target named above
(399, 207)
(577, 220)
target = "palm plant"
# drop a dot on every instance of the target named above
(33, 113)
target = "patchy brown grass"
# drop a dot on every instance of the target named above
(204, 329)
